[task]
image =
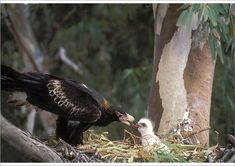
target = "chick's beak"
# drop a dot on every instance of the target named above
(126, 119)
(135, 125)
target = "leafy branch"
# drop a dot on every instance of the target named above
(219, 19)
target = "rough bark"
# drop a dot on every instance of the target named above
(22, 141)
(198, 78)
(182, 75)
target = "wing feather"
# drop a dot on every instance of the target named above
(74, 100)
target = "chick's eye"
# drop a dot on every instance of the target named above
(143, 124)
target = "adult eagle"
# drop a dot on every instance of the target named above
(77, 106)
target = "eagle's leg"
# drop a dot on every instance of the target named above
(70, 131)
(76, 137)
(61, 128)
(76, 132)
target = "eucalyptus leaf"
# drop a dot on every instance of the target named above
(212, 16)
(225, 7)
(218, 8)
(205, 15)
(220, 52)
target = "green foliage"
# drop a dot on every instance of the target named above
(222, 108)
(185, 153)
(219, 20)
(169, 157)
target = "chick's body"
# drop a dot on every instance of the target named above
(148, 138)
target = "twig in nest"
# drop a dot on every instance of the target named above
(190, 156)
(132, 136)
(196, 132)
(80, 157)
(231, 139)
(227, 155)
(232, 159)
(217, 136)
(219, 154)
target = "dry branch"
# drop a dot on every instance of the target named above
(30, 121)
(64, 58)
(231, 139)
(22, 141)
(196, 132)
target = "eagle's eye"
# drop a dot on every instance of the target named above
(119, 115)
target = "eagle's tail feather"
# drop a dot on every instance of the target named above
(10, 79)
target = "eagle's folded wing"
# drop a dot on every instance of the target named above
(74, 100)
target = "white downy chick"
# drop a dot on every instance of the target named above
(148, 138)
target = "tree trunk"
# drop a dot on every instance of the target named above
(198, 78)
(181, 85)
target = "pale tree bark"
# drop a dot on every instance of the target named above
(167, 28)
(32, 148)
(198, 77)
(21, 29)
(182, 75)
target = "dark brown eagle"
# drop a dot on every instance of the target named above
(77, 106)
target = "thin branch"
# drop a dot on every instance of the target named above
(231, 139)
(22, 141)
(196, 132)
(30, 121)
(64, 58)
(232, 159)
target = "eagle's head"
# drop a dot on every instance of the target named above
(124, 117)
(116, 114)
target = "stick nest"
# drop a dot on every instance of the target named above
(98, 148)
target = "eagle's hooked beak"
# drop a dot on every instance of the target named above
(126, 119)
